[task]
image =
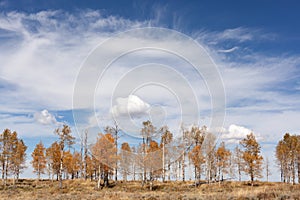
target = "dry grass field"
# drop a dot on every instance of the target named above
(79, 189)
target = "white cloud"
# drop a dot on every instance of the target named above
(44, 117)
(26, 126)
(228, 50)
(236, 133)
(42, 55)
(130, 106)
(240, 34)
(92, 121)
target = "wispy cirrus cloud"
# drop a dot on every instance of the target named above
(41, 56)
(228, 50)
(238, 34)
(45, 43)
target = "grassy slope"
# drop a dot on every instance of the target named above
(79, 189)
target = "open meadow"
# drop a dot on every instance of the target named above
(80, 189)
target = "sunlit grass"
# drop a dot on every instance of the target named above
(80, 189)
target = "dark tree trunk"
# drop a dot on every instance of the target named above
(195, 176)
(183, 166)
(281, 173)
(106, 179)
(298, 168)
(169, 169)
(3, 171)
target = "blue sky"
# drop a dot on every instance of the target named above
(255, 45)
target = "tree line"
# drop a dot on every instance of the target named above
(12, 155)
(288, 158)
(159, 156)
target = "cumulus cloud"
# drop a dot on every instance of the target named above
(132, 105)
(236, 133)
(44, 117)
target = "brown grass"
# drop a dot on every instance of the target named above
(80, 189)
